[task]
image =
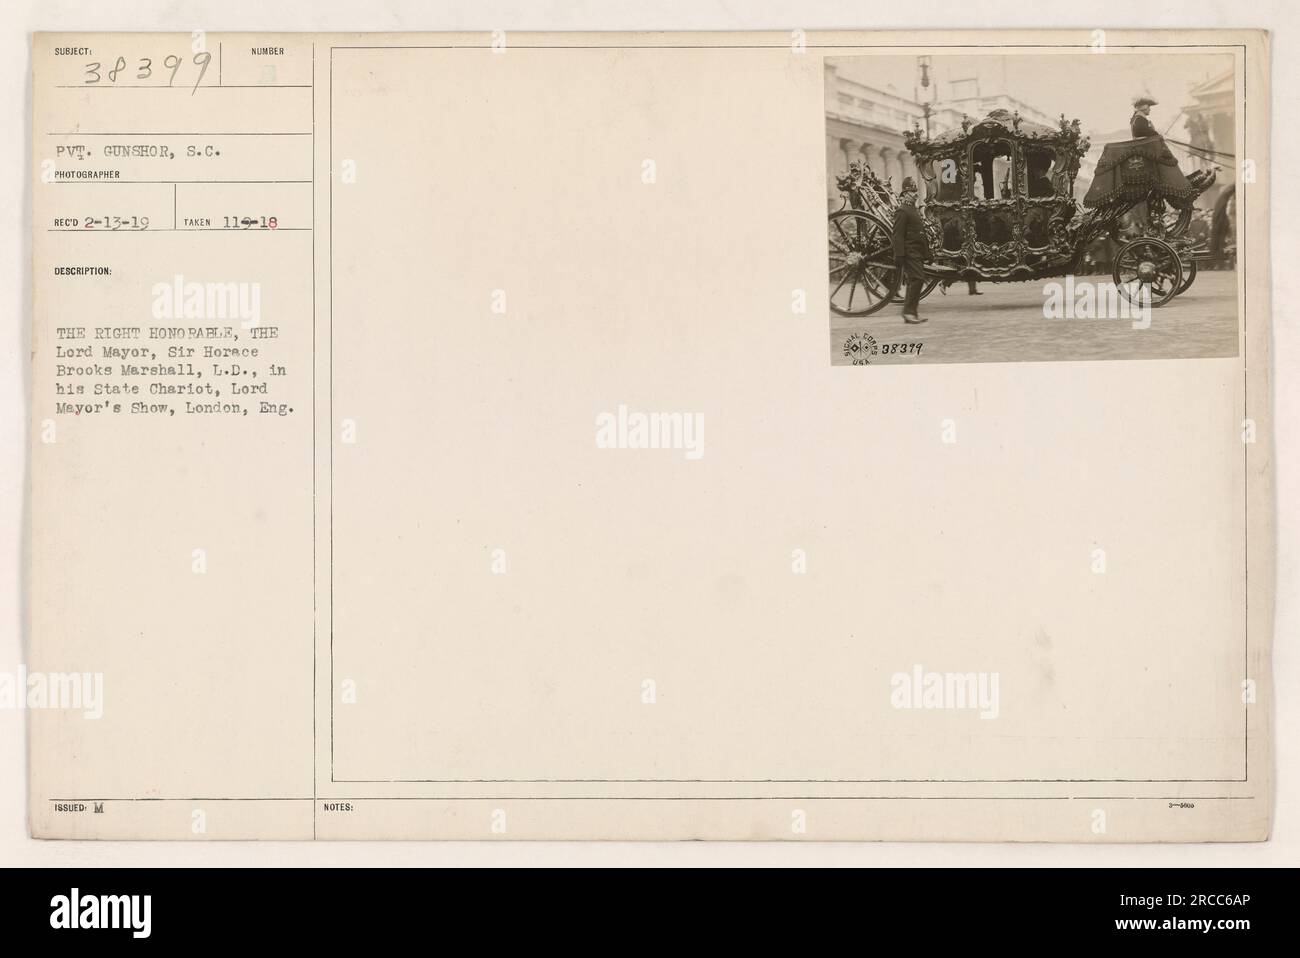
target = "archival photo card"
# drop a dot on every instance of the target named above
(433, 437)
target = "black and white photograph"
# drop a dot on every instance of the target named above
(1032, 207)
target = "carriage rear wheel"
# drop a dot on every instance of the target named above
(1189, 276)
(863, 278)
(1148, 270)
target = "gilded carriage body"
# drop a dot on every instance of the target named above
(999, 197)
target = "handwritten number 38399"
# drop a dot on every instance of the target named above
(144, 69)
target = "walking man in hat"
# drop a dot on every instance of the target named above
(910, 249)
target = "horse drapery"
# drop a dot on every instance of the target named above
(1131, 169)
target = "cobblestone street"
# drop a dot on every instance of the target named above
(1007, 324)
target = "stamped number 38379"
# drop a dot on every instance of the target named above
(900, 349)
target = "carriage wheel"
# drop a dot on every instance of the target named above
(926, 290)
(1148, 268)
(863, 278)
(1173, 221)
(1189, 276)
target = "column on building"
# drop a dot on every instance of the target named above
(849, 149)
(886, 167)
(834, 167)
(865, 154)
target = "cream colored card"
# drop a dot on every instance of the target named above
(469, 436)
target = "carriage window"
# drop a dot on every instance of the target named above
(992, 165)
(925, 174)
(949, 184)
(1042, 167)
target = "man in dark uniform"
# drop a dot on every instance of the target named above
(1140, 125)
(910, 249)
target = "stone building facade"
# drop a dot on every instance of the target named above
(1211, 125)
(867, 123)
(864, 123)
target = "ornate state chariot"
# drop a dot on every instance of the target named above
(999, 207)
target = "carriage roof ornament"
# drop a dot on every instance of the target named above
(999, 123)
